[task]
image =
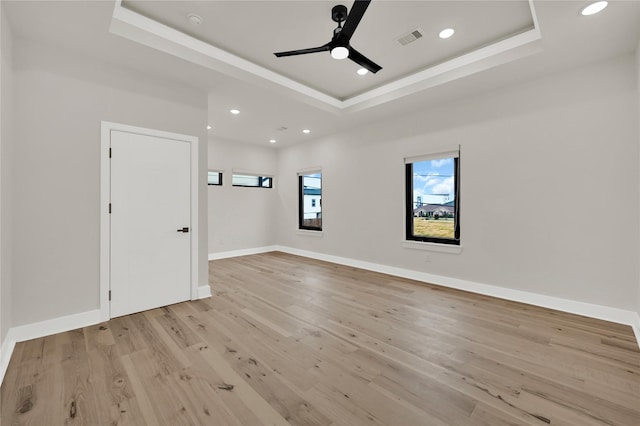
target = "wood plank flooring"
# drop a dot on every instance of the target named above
(289, 340)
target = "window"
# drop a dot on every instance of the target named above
(310, 201)
(252, 180)
(433, 198)
(214, 178)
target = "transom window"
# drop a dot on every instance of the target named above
(433, 198)
(252, 181)
(214, 178)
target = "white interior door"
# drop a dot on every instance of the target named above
(150, 222)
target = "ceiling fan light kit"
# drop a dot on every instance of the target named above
(339, 46)
(339, 52)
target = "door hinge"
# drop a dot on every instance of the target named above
(109, 152)
(109, 294)
(109, 207)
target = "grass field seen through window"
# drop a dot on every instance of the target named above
(442, 228)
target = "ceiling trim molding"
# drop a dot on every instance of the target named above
(146, 31)
(502, 52)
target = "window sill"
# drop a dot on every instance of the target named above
(441, 248)
(309, 233)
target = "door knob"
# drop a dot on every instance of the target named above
(185, 229)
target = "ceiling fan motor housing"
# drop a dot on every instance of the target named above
(339, 13)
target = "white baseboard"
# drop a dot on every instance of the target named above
(636, 327)
(56, 325)
(606, 313)
(6, 350)
(35, 330)
(204, 291)
(243, 252)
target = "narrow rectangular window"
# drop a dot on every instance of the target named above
(266, 182)
(252, 181)
(214, 178)
(433, 199)
(310, 201)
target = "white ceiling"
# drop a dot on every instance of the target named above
(254, 30)
(314, 91)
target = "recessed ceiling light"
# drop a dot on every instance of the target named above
(194, 19)
(339, 52)
(234, 111)
(306, 131)
(209, 127)
(594, 8)
(362, 71)
(272, 141)
(446, 33)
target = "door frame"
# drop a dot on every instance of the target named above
(105, 198)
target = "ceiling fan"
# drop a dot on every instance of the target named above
(339, 45)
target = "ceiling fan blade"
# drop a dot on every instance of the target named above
(363, 61)
(355, 15)
(323, 48)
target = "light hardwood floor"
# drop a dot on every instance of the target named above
(289, 340)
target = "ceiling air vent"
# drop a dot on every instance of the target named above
(410, 37)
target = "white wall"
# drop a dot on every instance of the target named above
(549, 187)
(241, 218)
(59, 102)
(638, 106)
(6, 89)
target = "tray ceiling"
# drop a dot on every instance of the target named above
(241, 36)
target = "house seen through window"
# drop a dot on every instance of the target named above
(310, 201)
